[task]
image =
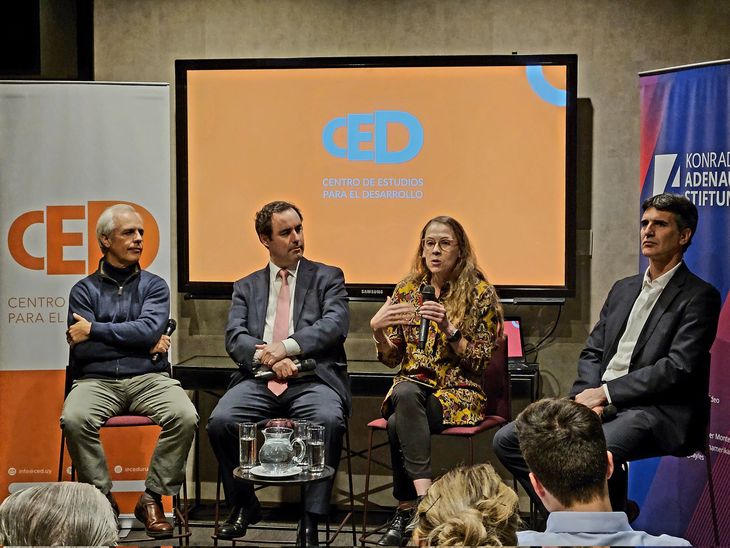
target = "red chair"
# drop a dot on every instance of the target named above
(496, 385)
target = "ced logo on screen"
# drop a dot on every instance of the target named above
(356, 135)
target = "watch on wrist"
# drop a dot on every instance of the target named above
(455, 336)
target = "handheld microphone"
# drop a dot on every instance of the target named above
(428, 293)
(609, 413)
(265, 374)
(169, 330)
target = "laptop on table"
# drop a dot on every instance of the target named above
(515, 344)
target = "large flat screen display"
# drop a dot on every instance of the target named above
(371, 148)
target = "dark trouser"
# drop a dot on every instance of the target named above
(629, 437)
(252, 401)
(416, 415)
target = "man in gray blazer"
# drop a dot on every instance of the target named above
(645, 367)
(291, 310)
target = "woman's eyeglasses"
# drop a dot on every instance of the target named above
(444, 244)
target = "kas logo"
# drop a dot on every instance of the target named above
(357, 133)
(57, 239)
(665, 166)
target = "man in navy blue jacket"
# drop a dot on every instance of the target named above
(116, 320)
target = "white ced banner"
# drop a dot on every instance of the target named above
(67, 151)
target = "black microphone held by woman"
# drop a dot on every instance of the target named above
(428, 293)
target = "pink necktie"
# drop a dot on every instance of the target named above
(281, 325)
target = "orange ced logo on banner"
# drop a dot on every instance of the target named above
(57, 239)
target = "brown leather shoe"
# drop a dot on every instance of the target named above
(151, 514)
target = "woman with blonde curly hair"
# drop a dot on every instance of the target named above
(468, 506)
(438, 384)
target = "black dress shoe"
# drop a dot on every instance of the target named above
(239, 520)
(311, 533)
(396, 534)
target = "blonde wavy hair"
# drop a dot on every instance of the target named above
(464, 277)
(468, 506)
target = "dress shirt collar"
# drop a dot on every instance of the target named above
(274, 270)
(661, 281)
(587, 522)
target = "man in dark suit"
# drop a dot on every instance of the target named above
(645, 367)
(291, 310)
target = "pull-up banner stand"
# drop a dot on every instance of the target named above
(685, 149)
(67, 151)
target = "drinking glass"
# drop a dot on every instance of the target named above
(315, 448)
(247, 445)
(301, 432)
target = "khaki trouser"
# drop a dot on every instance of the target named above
(155, 395)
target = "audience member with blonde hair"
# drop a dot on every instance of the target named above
(58, 514)
(468, 506)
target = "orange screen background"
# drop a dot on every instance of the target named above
(493, 157)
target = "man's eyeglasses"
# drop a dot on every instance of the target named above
(444, 244)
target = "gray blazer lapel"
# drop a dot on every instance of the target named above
(305, 277)
(665, 300)
(261, 300)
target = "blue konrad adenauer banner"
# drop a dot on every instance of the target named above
(685, 149)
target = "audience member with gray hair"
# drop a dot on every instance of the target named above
(58, 514)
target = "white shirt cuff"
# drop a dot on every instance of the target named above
(292, 347)
(608, 396)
